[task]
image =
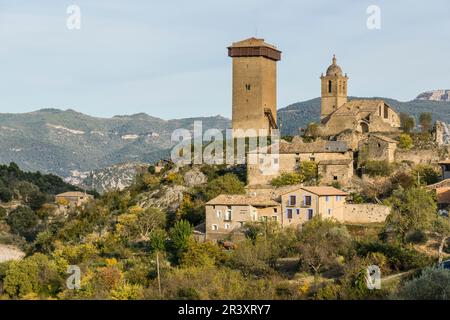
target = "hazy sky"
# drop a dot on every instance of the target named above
(168, 58)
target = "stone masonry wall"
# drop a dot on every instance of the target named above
(365, 213)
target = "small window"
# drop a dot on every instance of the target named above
(241, 224)
(219, 214)
(248, 87)
(214, 227)
(329, 86)
(298, 211)
(275, 161)
(329, 211)
(335, 178)
(327, 199)
(307, 200)
(274, 218)
(227, 226)
(338, 198)
(289, 213)
(292, 200)
(310, 214)
(275, 210)
(228, 215)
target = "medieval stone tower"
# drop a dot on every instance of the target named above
(254, 85)
(334, 89)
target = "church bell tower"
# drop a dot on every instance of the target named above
(334, 89)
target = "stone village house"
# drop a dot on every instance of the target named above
(290, 206)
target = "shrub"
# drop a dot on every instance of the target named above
(3, 213)
(432, 284)
(308, 169)
(151, 169)
(286, 179)
(405, 141)
(427, 173)
(23, 221)
(378, 168)
(416, 236)
(399, 258)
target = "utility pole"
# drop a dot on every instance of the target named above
(159, 276)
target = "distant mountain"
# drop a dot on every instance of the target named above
(60, 142)
(299, 114)
(435, 95)
(68, 143)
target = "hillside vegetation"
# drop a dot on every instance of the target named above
(117, 239)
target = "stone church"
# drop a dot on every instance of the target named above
(362, 116)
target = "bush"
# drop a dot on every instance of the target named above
(432, 284)
(405, 141)
(308, 169)
(417, 236)
(286, 179)
(5, 194)
(378, 168)
(427, 173)
(151, 169)
(399, 258)
(226, 184)
(3, 213)
(23, 221)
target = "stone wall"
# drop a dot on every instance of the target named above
(417, 156)
(365, 213)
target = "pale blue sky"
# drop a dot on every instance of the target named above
(168, 58)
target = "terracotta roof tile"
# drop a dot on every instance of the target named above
(251, 200)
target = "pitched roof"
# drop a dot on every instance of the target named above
(242, 199)
(384, 138)
(325, 191)
(252, 42)
(336, 162)
(73, 194)
(320, 191)
(444, 161)
(318, 146)
(443, 195)
(441, 184)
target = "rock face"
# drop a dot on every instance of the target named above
(115, 177)
(8, 253)
(194, 178)
(435, 95)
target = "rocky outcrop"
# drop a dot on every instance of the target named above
(8, 253)
(167, 198)
(435, 95)
(194, 178)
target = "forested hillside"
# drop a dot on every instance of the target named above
(117, 239)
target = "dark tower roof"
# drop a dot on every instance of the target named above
(254, 47)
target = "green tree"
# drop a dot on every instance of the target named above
(425, 120)
(226, 184)
(33, 275)
(407, 122)
(321, 242)
(180, 235)
(432, 284)
(412, 209)
(24, 222)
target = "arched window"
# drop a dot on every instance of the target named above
(364, 127)
(329, 86)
